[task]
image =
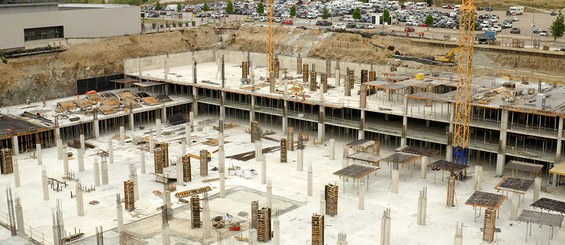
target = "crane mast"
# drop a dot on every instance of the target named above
(464, 93)
(270, 49)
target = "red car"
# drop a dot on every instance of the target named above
(409, 29)
(423, 25)
(287, 22)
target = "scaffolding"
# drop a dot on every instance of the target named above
(264, 224)
(305, 74)
(284, 150)
(165, 147)
(317, 229)
(129, 197)
(159, 157)
(186, 171)
(313, 82)
(489, 225)
(331, 195)
(6, 162)
(195, 211)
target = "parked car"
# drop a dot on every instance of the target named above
(287, 22)
(409, 29)
(350, 25)
(553, 13)
(515, 30)
(543, 34)
(536, 30)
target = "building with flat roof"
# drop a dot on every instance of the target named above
(32, 20)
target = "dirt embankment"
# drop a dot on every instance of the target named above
(53, 75)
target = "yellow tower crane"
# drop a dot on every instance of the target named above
(271, 48)
(464, 93)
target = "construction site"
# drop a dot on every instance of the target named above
(283, 136)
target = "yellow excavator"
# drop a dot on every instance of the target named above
(449, 57)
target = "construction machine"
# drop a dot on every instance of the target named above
(449, 57)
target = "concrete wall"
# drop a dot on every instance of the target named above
(77, 23)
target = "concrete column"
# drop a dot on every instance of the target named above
(119, 211)
(478, 177)
(206, 218)
(142, 161)
(361, 131)
(276, 230)
(321, 124)
(361, 196)
(16, 166)
(322, 203)
(180, 168)
(424, 167)
(458, 234)
(110, 151)
(188, 134)
(559, 140)
(164, 114)
(285, 116)
(158, 122)
(133, 178)
(82, 142)
(151, 144)
(20, 217)
(15, 145)
(385, 227)
(222, 185)
(252, 237)
(122, 135)
(515, 206)
(80, 159)
(449, 146)
(222, 160)
(59, 149)
(44, 185)
(337, 78)
(80, 200)
(422, 206)
(310, 180)
(300, 160)
(270, 193)
(537, 188)
(263, 171)
(332, 149)
(258, 150)
(395, 178)
(96, 173)
(183, 147)
(39, 156)
(501, 157)
(96, 128)
(65, 161)
(104, 172)
(131, 122)
(166, 237)
(404, 122)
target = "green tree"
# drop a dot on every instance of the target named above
(179, 7)
(293, 11)
(357, 14)
(260, 8)
(206, 8)
(430, 2)
(158, 6)
(429, 21)
(386, 17)
(326, 14)
(229, 7)
(558, 27)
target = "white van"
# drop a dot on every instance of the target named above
(421, 5)
(516, 10)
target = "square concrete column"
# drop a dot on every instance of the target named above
(15, 145)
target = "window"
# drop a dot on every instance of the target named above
(43, 33)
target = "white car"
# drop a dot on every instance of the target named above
(496, 28)
(515, 18)
(543, 34)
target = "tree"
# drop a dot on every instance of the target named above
(229, 7)
(558, 27)
(206, 8)
(430, 2)
(357, 14)
(326, 14)
(429, 21)
(386, 17)
(158, 6)
(260, 8)
(179, 7)
(293, 11)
